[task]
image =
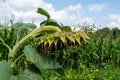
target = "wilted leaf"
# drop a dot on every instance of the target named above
(83, 35)
(70, 36)
(63, 37)
(56, 39)
(39, 40)
(50, 39)
(45, 42)
(77, 38)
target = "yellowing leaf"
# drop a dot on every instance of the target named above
(50, 39)
(62, 37)
(39, 40)
(77, 38)
(56, 39)
(45, 42)
(83, 35)
(71, 37)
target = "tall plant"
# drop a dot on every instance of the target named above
(45, 36)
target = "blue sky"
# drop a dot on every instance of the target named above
(69, 12)
(111, 7)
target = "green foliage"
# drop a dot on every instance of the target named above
(97, 52)
(85, 73)
(98, 59)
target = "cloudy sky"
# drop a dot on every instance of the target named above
(69, 12)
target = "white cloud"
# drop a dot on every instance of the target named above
(114, 20)
(26, 9)
(4, 9)
(25, 4)
(114, 24)
(113, 16)
(73, 8)
(97, 7)
(66, 14)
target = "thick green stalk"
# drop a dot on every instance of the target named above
(43, 28)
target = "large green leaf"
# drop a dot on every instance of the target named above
(27, 75)
(36, 76)
(39, 60)
(5, 76)
(43, 12)
(32, 75)
(5, 71)
(14, 78)
(4, 67)
(23, 77)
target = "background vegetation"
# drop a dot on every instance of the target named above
(98, 59)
